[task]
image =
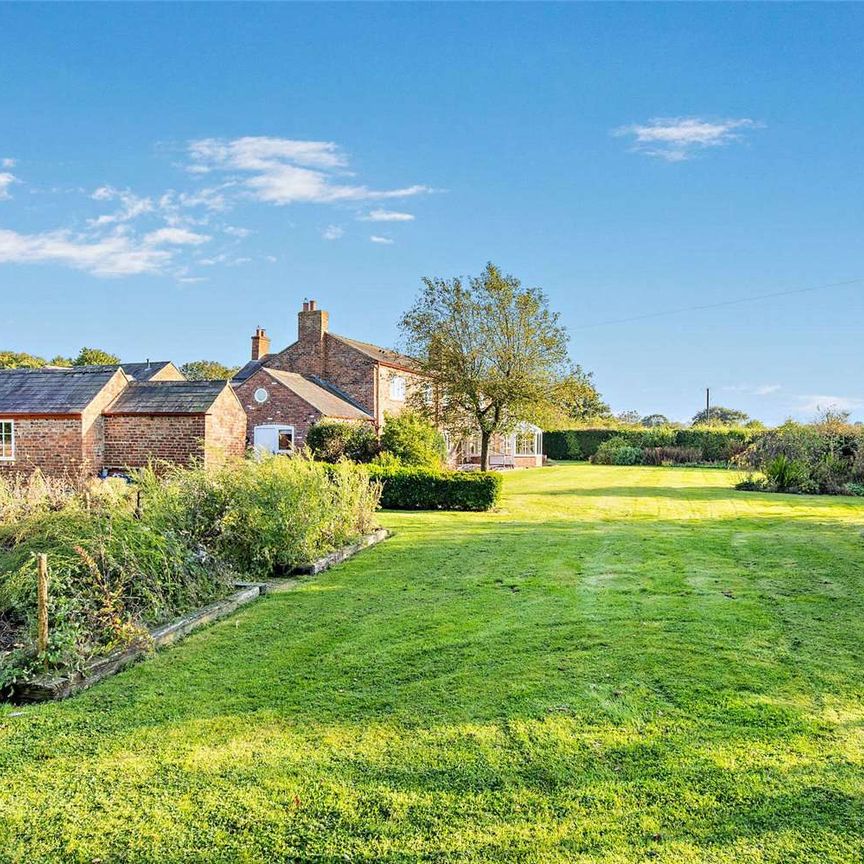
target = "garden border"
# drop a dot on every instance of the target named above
(53, 688)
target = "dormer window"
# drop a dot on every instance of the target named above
(397, 388)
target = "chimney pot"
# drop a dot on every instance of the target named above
(312, 306)
(260, 343)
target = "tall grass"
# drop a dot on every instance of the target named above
(123, 558)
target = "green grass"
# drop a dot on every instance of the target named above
(623, 665)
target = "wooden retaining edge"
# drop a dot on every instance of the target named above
(49, 689)
(328, 561)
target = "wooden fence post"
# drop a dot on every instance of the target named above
(42, 603)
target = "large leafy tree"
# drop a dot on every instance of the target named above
(494, 351)
(95, 357)
(207, 370)
(721, 416)
(20, 360)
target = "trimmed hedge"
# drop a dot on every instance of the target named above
(408, 488)
(715, 445)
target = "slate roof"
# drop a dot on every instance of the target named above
(324, 397)
(51, 391)
(249, 369)
(138, 371)
(380, 355)
(167, 397)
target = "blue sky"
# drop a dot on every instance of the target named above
(173, 175)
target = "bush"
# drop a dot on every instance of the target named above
(671, 456)
(117, 569)
(713, 444)
(334, 440)
(617, 451)
(422, 489)
(413, 440)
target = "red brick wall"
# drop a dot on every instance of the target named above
(52, 444)
(386, 405)
(93, 423)
(283, 406)
(132, 441)
(225, 428)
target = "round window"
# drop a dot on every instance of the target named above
(261, 395)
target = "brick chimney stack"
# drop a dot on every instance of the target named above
(311, 323)
(260, 344)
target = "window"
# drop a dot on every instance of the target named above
(397, 388)
(428, 395)
(286, 440)
(526, 444)
(260, 395)
(7, 440)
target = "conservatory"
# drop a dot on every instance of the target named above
(520, 448)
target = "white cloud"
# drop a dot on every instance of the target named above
(333, 232)
(114, 255)
(753, 389)
(387, 216)
(7, 163)
(285, 171)
(174, 237)
(376, 238)
(676, 139)
(816, 403)
(6, 180)
(131, 206)
(235, 231)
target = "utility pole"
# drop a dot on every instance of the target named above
(707, 404)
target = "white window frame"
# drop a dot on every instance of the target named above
(276, 428)
(397, 388)
(11, 422)
(526, 451)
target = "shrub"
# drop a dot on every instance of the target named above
(617, 451)
(409, 488)
(413, 440)
(117, 569)
(671, 455)
(856, 489)
(333, 440)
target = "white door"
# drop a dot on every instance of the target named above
(273, 439)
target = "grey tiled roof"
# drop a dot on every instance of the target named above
(381, 355)
(325, 398)
(167, 397)
(249, 369)
(139, 371)
(51, 391)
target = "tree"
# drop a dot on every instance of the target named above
(655, 420)
(493, 349)
(20, 360)
(207, 370)
(721, 416)
(631, 418)
(579, 399)
(95, 357)
(413, 440)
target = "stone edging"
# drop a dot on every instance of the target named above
(52, 688)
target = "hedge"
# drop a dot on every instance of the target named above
(410, 488)
(715, 445)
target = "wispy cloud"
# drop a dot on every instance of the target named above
(174, 237)
(814, 403)
(116, 254)
(333, 232)
(753, 389)
(387, 216)
(286, 171)
(377, 238)
(131, 206)
(6, 162)
(677, 139)
(6, 180)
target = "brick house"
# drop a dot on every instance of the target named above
(80, 420)
(327, 376)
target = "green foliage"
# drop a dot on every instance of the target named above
(407, 488)
(334, 440)
(20, 360)
(720, 416)
(116, 570)
(207, 370)
(664, 455)
(713, 444)
(655, 420)
(413, 440)
(821, 457)
(617, 451)
(94, 357)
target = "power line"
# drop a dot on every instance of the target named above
(718, 305)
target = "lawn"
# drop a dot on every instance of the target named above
(622, 665)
